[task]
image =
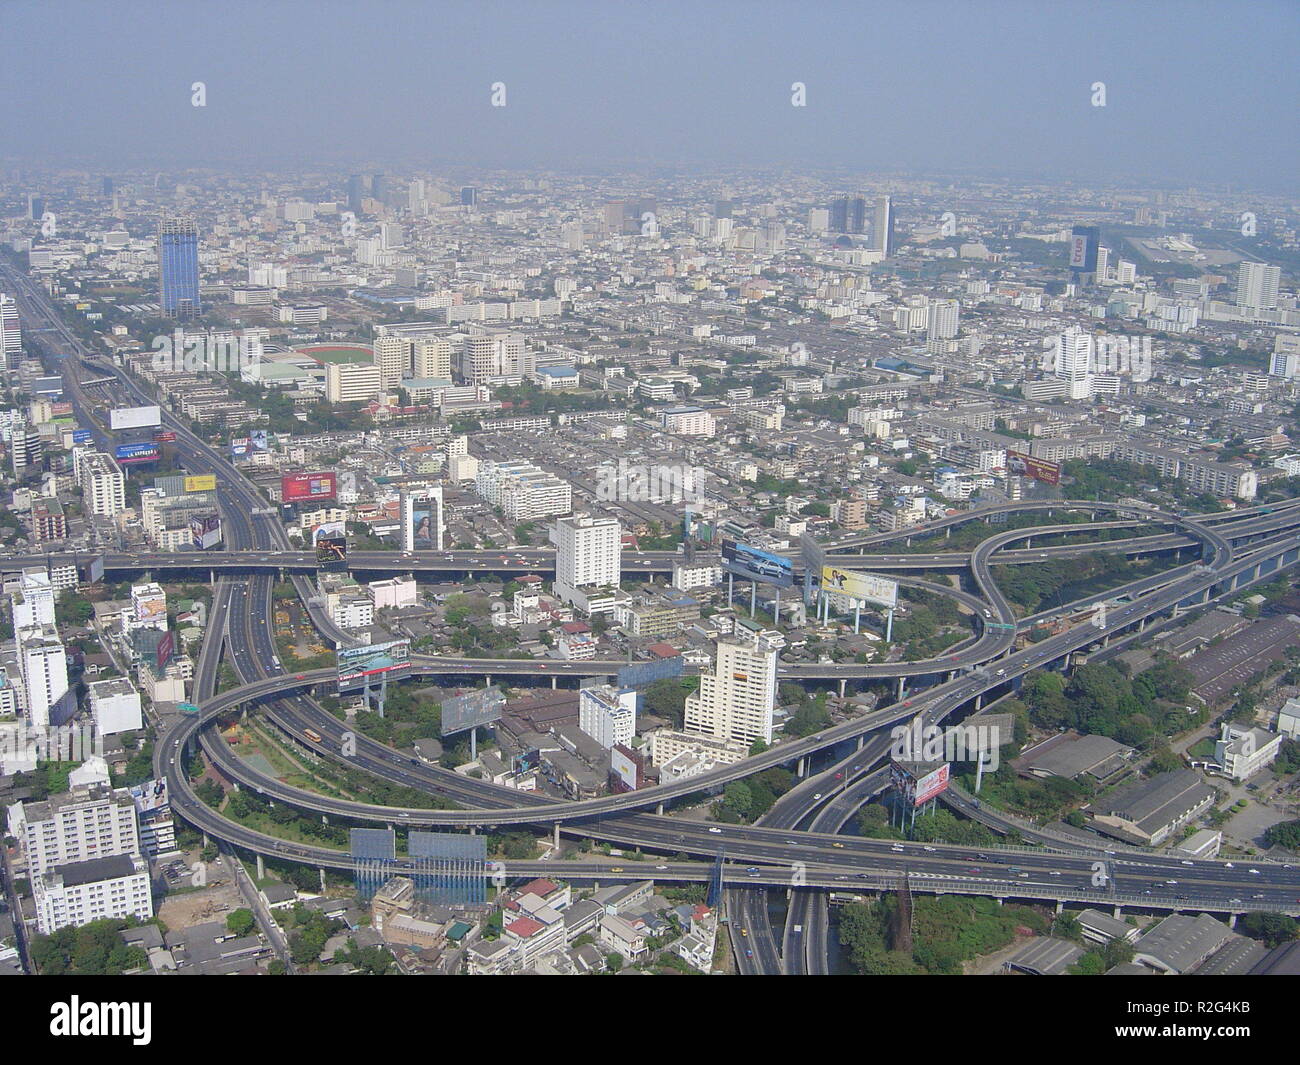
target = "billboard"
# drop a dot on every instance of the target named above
(166, 650)
(1022, 465)
(1083, 248)
(812, 553)
(425, 537)
(239, 446)
(472, 709)
(864, 587)
(164, 436)
(206, 482)
(641, 674)
(626, 769)
(93, 571)
(919, 782)
(129, 453)
(134, 418)
(258, 440)
(81, 436)
(150, 796)
(756, 565)
(308, 487)
(206, 531)
(357, 665)
(331, 543)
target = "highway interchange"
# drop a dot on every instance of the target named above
(797, 846)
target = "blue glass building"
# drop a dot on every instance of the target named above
(178, 267)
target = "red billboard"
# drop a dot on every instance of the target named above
(1022, 465)
(164, 436)
(308, 487)
(919, 782)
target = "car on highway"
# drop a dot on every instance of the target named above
(615, 868)
(716, 831)
(661, 868)
(927, 847)
(838, 846)
(748, 953)
(1186, 862)
(1255, 872)
(817, 796)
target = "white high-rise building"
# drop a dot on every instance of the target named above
(432, 358)
(608, 715)
(89, 822)
(115, 706)
(1285, 361)
(393, 357)
(103, 888)
(1125, 272)
(43, 664)
(33, 600)
(103, 484)
(1074, 362)
(11, 335)
(942, 318)
(1257, 285)
(737, 696)
(588, 554)
(352, 382)
(495, 356)
(1103, 265)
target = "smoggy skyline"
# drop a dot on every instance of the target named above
(1195, 93)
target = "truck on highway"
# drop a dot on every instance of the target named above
(312, 735)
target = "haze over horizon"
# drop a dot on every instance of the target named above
(1195, 93)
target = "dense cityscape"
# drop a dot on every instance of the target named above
(739, 570)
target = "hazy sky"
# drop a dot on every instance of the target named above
(1196, 92)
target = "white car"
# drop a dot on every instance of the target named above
(716, 831)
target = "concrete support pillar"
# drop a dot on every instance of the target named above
(1060, 906)
(1116, 913)
(554, 682)
(261, 868)
(843, 684)
(659, 809)
(902, 687)
(799, 769)
(1232, 920)
(861, 741)
(556, 835)
(322, 880)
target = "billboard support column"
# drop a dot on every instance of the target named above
(753, 597)
(731, 588)
(776, 610)
(473, 744)
(889, 626)
(857, 618)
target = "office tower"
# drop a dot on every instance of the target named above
(416, 201)
(44, 668)
(588, 553)
(423, 525)
(352, 382)
(737, 696)
(848, 214)
(432, 358)
(1257, 285)
(493, 355)
(356, 193)
(35, 206)
(102, 484)
(393, 357)
(33, 600)
(178, 267)
(11, 334)
(1125, 272)
(469, 196)
(819, 220)
(607, 714)
(391, 236)
(882, 228)
(941, 320)
(722, 208)
(88, 822)
(1103, 265)
(1084, 242)
(379, 188)
(1074, 362)
(106, 188)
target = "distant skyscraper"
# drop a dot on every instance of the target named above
(106, 188)
(882, 229)
(1257, 285)
(356, 192)
(849, 215)
(737, 695)
(1074, 361)
(35, 206)
(379, 188)
(722, 209)
(469, 196)
(178, 267)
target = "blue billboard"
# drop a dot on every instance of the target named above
(127, 453)
(755, 565)
(81, 436)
